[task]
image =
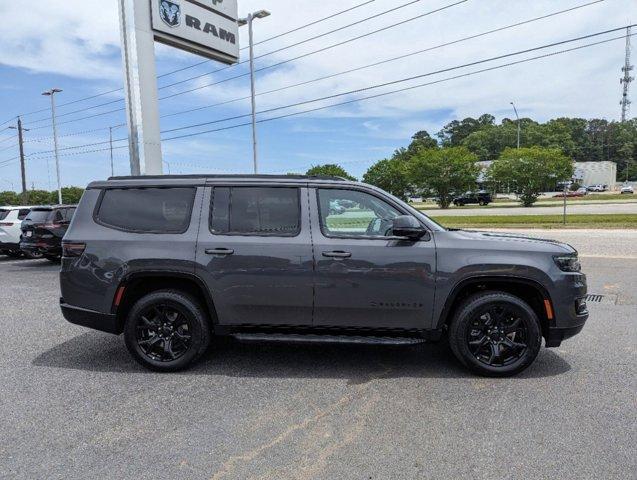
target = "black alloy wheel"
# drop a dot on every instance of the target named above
(167, 330)
(163, 333)
(495, 334)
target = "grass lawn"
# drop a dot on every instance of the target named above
(539, 221)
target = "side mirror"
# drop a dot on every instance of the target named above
(408, 226)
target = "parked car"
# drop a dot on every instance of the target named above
(10, 220)
(183, 258)
(43, 230)
(582, 190)
(627, 189)
(597, 188)
(569, 194)
(481, 198)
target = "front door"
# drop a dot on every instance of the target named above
(365, 277)
(255, 254)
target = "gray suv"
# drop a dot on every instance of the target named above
(172, 261)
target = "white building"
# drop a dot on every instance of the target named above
(594, 173)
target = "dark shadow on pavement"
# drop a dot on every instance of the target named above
(94, 351)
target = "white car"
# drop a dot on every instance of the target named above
(627, 189)
(10, 221)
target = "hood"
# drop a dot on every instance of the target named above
(512, 241)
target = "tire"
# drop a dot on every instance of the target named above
(482, 203)
(151, 324)
(33, 255)
(475, 340)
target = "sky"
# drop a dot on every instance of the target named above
(75, 45)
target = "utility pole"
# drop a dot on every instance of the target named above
(626, 79)
(248, 21)
(110, 138)
(25, 194)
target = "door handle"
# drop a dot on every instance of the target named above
(337, 254)
(219, 251)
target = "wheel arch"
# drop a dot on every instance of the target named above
(135, 285)
(529, 290)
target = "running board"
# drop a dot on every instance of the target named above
(310, 338)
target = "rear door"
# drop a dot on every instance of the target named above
(365, 277)
(255, 253)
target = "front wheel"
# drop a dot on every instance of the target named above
(495, 334)
(167, 330)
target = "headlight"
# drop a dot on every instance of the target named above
(568, 263)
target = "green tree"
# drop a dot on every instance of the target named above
(70, 195)
(9, 198)
(454, 133)
(444, 172)
(39, 197)
(420, 140)
(530, 170)
(391, 175)
(330, 169)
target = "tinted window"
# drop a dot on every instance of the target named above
(22, 214)
(147, 210)
(38, 216)
(57, 216)
(68, 214)
(256, 211)
(3, 214)
(355, 214)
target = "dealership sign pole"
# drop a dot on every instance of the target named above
(204, 27)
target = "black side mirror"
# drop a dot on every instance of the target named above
(408, 226)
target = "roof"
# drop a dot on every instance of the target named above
(203, 179)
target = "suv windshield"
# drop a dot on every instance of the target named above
(37, 216)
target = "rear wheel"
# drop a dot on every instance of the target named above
(483, 203)
(33, 255)
(495, 334)
(167, 330)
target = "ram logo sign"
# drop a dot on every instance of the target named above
(170, 13)
(205, 27)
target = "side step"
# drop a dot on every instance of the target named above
(310, 338)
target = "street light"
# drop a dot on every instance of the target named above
(518, 117)
(248, 21)
(51, 93)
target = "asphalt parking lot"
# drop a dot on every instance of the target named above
(74, 405)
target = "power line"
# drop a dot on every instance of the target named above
(394, 82)
(203, 62)
(371, 87)
(404, 89)
(276, 37)
(320, 50)
(375, 64)
(411, 2)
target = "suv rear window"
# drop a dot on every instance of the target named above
(147, 210)
(38, 216)
(272, 211)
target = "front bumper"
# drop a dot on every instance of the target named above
(104, 322)
(570, 309)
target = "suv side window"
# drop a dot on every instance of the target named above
(146, 210)
(351, 213)
(271, 211)
(57, 216)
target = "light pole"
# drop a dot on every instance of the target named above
(110, 141)
(51, 93)
(248, 21)
(168, 165)
(518, 117)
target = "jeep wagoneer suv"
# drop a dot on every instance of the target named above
(171, 261)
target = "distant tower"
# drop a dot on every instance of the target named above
(626, 79)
